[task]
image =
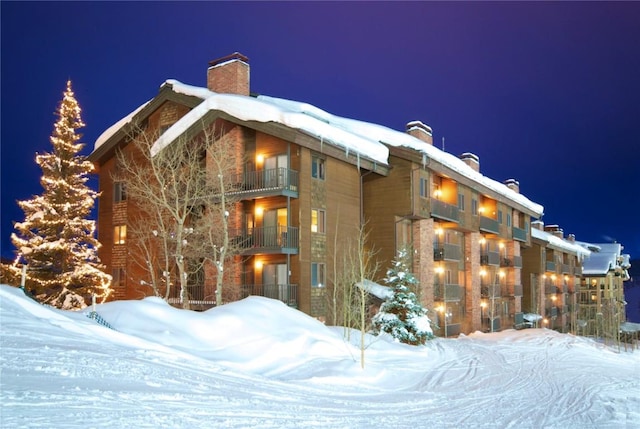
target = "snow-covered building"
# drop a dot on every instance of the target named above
(551, 272)
(601, 301)
(311, 179)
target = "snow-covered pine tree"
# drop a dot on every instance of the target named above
(402, 316)
(56, 239)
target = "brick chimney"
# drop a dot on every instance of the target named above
(420, 131)
(513, 184)
(538, 224)
(471, 160)
(555, 230)
(229, 75)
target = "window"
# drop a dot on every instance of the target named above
(118, 277)
(500, 216)
(508, 219)
(317, 168)
(317, 274)
(119, 234)
(474, 206)
(119, 192)
(318, 221)
(461, 202)
(424, 185)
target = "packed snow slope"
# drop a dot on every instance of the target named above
(259, 364)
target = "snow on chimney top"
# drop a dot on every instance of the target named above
(537, 224)
(420, 131)
(513, 184)
(472, 160)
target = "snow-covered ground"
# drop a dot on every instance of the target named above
(259, 364)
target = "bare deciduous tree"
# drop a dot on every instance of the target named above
(182, 209)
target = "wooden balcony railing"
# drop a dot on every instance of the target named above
(446, 252)
(445, 211)
(490, 258)
(491, 291)
(550, 266)
(447, 292)
(519, 234)
(489, 225)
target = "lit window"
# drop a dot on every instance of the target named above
(317, 274)
(119, 192)
(317, 168)
(120, 234)
(318, 221)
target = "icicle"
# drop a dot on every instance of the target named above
(424, 160)
(358, 159)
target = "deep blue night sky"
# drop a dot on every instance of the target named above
(547, 93)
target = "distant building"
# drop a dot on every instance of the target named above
(602, 302)
(551, 277)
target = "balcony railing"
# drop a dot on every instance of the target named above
(275, 181)
(550, 266)
(446, 252)
(490, 258)
(506, 262)
(519, 234)
(549, 289)
(565, 288)
(287, 293)
(577, 271)
(270, 239)
(566, 269)
(489, 225)
(518, 320)
(447, 292)
(517, 261)
(445, 211)
(516, 290)
(491, 291)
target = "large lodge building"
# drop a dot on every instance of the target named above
(482, 257)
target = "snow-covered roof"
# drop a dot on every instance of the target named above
(605, 259)
(560, 243)
(361, 138)
(106, 135)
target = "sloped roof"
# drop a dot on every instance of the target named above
(559, 243)
(359, 138)
(602, 261)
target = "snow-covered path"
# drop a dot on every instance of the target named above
(61, 370)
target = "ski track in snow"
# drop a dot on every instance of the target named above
(64, 373)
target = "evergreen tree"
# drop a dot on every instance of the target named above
(402, 316)
(55, 239)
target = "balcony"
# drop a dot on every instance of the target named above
(515, 290)
(519, 234)
(267, 183)
(565, 288)
(506, 262)
(447, 292)
(518, 320)
(550, 266)
(271, 239)
(552, 312)
(577, 271)
(445, 211)
(489, 225)
(550, 289)
(491, 291)
(566, 269)
(446, 252)
(490, 258)
(517, 261)
(287, 293)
